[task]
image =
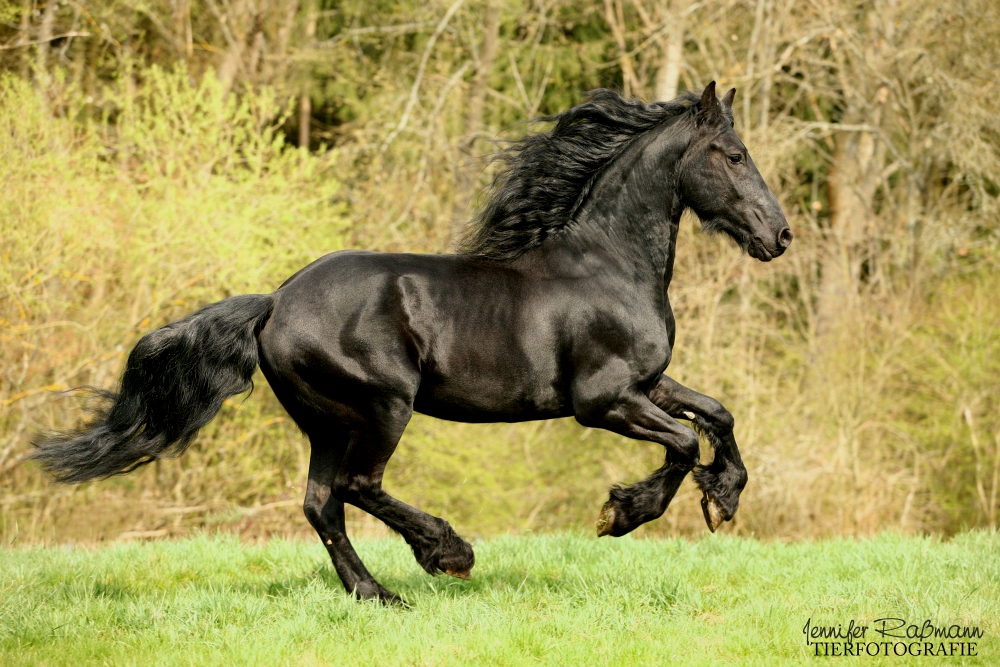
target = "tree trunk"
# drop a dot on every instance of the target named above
(183, 34)
(305, 100)
(44, 39)
(256, 51)
(238, 24)
(468, 172)
(278, 62)
(855, 176)
(669, 73)
(855, 172)
(25, 36)
(614, 16)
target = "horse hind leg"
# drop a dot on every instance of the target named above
(435, 544)
(326, 515)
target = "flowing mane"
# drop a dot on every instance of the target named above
(546, 176)
(358, 342)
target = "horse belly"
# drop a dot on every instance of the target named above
(486, 408)
(486, 388)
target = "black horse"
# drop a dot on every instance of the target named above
(556, 306)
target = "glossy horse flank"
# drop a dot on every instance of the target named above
(556, 306)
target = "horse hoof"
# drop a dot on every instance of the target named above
(713, 515)
(372, 590)
(460, 574)
(606, 520)
(393, 600)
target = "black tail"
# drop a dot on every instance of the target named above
(175, 381)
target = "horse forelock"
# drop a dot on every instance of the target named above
(546, 175)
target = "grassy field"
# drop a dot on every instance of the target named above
(550, 600)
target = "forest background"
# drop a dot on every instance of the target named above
(158, 155)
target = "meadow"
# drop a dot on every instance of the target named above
(561, 599)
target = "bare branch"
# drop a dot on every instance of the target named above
(415, 90)
(373, 30)
(11, 47)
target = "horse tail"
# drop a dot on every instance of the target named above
(175, 380)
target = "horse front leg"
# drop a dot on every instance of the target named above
(633, 415)
(722, 481)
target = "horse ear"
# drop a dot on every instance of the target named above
(708, 100)
(728, 99)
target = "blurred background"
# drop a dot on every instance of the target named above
(158, 155)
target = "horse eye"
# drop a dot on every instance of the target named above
(736, 159)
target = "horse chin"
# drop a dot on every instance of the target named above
(748, 242)
(757, 250)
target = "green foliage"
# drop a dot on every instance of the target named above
(950, 408)
(111, 229)
(10, 11)
(556, 600)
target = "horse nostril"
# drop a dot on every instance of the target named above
(785, 237)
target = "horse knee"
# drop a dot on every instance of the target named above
(720, 416)
(314, 513)
(591, 415)
(312, 506)
(686, 450)
(352, 488)
(739, 477)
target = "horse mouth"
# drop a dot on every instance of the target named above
(757, 250)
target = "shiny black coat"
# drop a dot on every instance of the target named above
(557, 306)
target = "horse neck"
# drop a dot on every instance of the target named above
(634, 209)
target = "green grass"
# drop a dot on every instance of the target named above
(561, 600)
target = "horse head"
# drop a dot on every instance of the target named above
(720, 182)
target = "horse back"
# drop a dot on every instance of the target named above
(460, 338)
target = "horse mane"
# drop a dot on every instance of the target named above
(545, 176)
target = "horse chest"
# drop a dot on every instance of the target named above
(624, 341)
